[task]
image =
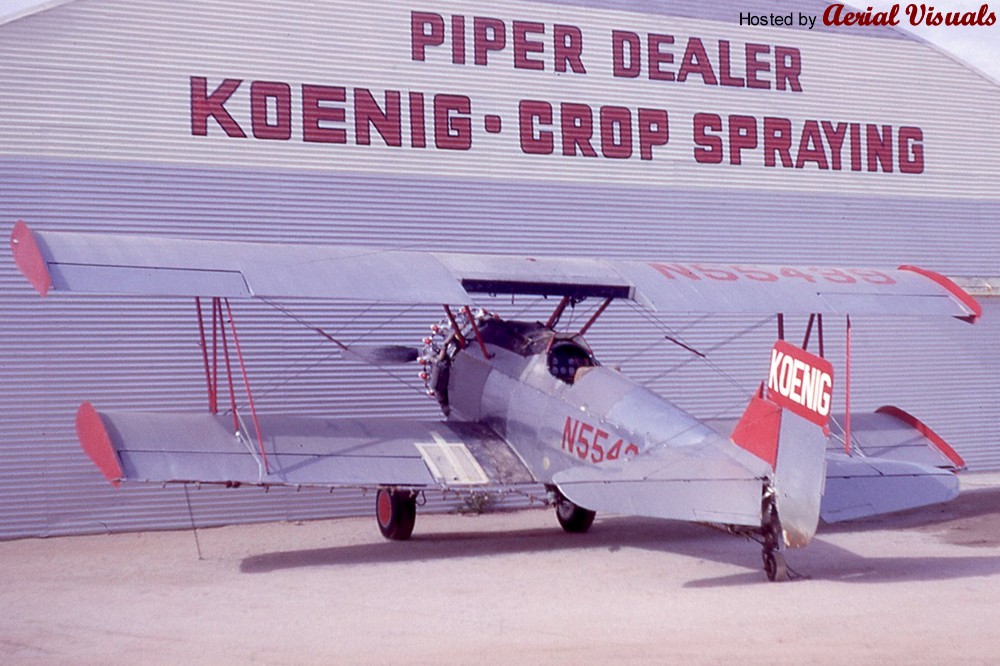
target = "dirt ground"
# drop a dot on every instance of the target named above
(918, 587)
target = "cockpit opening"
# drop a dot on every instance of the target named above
(565, 358)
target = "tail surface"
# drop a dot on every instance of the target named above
(786, 425)
(896, 462)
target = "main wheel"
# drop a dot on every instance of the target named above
(396, 512)
(574, 519)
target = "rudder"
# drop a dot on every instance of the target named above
(785, 424)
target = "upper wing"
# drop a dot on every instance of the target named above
(135, 446)
(63, 261)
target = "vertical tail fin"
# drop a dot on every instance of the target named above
(785, 424)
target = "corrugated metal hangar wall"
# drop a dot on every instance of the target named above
(576, 127)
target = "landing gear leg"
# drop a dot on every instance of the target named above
(770, 525)
(396, 512)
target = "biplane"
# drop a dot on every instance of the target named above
(525, 402)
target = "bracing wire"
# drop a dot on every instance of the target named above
(328, 336)
(703, 355)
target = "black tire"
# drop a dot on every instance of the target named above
(396, 513)
(572, 518)
(775, 567)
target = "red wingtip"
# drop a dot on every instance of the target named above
(29, 258)
(96, 443)
(924, 430)
(956, 291)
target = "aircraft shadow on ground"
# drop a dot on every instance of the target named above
(971, 520)
(822, 560)
(969, 505)
(611, 534)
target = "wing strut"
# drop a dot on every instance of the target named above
(557, 313)
(212, 372)
(475, 329)
(593, 318)
(819, 330)
(212, 385)
(817, 319)
(246, 383)
(459, 338)
(847, 388)
(809, 329)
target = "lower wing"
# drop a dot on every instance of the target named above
(300, 451)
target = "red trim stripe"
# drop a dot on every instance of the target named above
(924, 430)
(968, 301)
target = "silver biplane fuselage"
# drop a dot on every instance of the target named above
(545, 394)
(548, 396)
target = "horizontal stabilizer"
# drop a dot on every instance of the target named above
(891, 433)
(857, 487)
(712, 482)
(159, 447)
(896, 463)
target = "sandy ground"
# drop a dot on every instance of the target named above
(917, 587)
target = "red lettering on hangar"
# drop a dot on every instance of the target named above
(536, 46)
(758, 66)
(824, 145)
(323, 114)
(529, 45)
(614, 129)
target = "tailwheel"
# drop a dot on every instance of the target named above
(774, 566)
(770, 526)
(396, 512)
(573, 519)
